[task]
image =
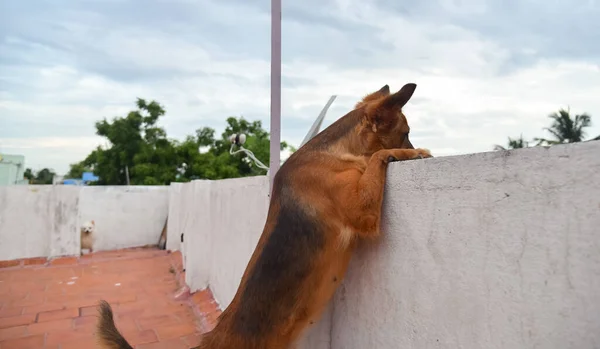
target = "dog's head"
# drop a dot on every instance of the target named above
(376, 123)
(88, 227)
(383, 125)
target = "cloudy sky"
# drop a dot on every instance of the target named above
(485, 69)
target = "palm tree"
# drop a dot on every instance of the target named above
(565, 129)
(516, 143)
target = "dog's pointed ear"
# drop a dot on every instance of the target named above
(93, 223)
(400, 98)
(383, 112)
(382, 92)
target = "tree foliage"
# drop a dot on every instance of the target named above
(516, 143)
(43, 176)
(565, 128)
(138, 145)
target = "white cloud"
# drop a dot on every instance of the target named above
(80, 65)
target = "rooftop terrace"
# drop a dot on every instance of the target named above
(52, 304)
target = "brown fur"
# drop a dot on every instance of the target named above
(325, 197)
(108, 335)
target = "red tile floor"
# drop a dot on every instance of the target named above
(52, 304)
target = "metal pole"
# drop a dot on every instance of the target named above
(275, 156)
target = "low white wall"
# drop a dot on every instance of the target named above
(224, 220)
(196, 223)
(45, 220)
(37, 221)
(64, 209)
(492, 250)
(25, 221)
(125, 216)
(174, 223)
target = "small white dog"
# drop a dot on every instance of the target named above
(88, 235)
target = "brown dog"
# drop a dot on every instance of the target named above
(325, 196)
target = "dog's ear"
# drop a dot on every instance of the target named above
(382, 92)
(400, 98)
(93, 223)
(383, 112)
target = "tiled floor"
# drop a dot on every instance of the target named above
(53, 304)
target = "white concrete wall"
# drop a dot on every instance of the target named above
(175, 209)
(64, 211)
(38, 221)
(239, 211)
(492, 250)
(26, 221)
(45, 220)
(124, 216)
(224, 220)
(196, 215)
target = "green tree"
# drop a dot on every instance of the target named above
(28, 174)
(565, 128)
(207, 157)
(76, 170)
(516, 143)
(44, 176)
(257, 140)
(137, 143)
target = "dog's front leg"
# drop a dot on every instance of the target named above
(369, 190)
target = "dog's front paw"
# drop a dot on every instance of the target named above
(407, 154)
(422, 154)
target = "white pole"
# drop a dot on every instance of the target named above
(275, 156)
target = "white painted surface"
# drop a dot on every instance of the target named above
(64, 210)
(125, 216)
(175, 209)
(239, 210)
(190, 217)
(224, 220)
(25, 221)
(197, 241)
(493, 250)
(44, 220)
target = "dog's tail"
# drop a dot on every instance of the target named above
(108, 335)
